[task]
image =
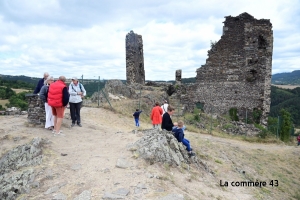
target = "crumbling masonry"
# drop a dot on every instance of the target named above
(237, 72)
(135, 72)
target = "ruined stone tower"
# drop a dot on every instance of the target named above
(135, 72)
(237, 72)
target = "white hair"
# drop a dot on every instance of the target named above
(48, 79)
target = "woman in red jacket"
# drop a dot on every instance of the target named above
(156, 115)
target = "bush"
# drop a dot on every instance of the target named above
(196, 115)
(233, 114)
(256, 115)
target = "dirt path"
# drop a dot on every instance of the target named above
(94, 149)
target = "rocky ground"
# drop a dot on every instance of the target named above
(95, 162)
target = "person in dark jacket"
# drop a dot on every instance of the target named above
(58, 98)
(49, 124)
(136, 115)
(179, 135)
(167, 123)
(40, 83)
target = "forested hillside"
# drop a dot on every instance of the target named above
(292, 78)
(287, 99)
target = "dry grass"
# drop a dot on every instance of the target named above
(3, 102)
(287, 86)
(20, 90)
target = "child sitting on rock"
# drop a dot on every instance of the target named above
(176, 126)
(137, 117)
(179, 135)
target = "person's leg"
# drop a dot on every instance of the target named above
(55, 117)
(187, 144)
(48, 111)
(60, 115)
(77, 111)
(72, 112)
(136, 122)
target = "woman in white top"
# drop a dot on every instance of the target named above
(77, 92)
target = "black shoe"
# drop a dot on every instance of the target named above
(72, 125)
(79, 124)
(191, 154)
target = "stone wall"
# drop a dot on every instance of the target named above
(135, 72)
(237, 72)
(178, 75)
(36, 109)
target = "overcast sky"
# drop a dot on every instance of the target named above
(75, 37)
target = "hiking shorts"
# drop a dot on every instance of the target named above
(58, 111)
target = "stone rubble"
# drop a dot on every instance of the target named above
(13, 179)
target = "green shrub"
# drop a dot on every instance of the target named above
(233, 114)
(256, 115)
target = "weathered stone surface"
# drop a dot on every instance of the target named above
(85, 195)
(135, 72)
(116, 87)
(18, 182)
(59, 196)
(108, 195)
(123, 163)
(178, 75)
(173, 197)
(36, 109)
(162, 146)
(237, 73)
(121, 192)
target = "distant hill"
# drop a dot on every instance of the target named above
(292, 78)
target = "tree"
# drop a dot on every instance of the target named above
(286, 125)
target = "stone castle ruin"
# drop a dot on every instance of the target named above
(237, 72)
(135, 72)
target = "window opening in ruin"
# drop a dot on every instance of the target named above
(262, 42)
(200, 105)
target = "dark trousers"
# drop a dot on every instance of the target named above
(75, 112)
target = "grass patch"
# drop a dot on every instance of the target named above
(218, 161)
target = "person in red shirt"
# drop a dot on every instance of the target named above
(156, 115)
(298, 138)
(58, 98)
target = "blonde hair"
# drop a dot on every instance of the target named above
(180, 123)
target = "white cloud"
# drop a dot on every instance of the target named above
(72, 38)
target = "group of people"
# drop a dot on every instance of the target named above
(56, 95)
(161, 116)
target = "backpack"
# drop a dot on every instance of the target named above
(79, 87)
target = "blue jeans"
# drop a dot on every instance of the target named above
(137, 123)
(186, 143)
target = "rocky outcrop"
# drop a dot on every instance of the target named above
(162, 147)
(116, 87)
(15, 180)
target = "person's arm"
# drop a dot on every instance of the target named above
(38, 87)
(180, 135)
(65, 96)
(83, 90)
(43, 94)
(151, 116)
(161, 111)
(71, 91)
